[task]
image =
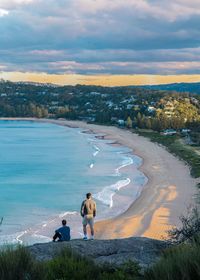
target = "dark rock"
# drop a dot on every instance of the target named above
(142, 250)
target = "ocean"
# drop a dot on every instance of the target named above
(45, 172)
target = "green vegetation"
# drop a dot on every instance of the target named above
(173, 144)
(178, 263)
(189, 230)
(18, 264)
(142, 107)
(129, 122)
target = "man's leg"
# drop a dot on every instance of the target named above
(57, 235)
(91, 223)
(84, 228)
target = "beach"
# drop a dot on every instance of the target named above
(169, 193)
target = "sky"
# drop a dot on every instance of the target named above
(107, 42)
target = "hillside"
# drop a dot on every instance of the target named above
(179, 87)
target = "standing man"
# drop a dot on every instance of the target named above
(88, 212)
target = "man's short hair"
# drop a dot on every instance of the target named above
(88, 195)
(64, 222)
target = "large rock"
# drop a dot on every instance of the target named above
(144, 251)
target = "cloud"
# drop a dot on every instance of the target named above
(107, 61)
(11, 4)
(3, 12)
(100, 36)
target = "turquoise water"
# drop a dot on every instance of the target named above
(46, 169)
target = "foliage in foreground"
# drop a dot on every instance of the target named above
(181, 261)
(190, 228)
(18, 264)
(178, 263)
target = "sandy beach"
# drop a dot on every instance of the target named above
(170, 190)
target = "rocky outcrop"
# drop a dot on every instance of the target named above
(144, 251)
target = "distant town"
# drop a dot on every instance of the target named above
(163, 110)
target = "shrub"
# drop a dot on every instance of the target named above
(69, 265)
(190, 228)
(178, 262)
(17, 264)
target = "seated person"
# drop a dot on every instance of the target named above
(63, 233)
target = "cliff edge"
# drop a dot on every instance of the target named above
(144, 251)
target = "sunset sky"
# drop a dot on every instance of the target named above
(107, 42)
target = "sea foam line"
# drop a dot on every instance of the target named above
(97, 150)
(67, 213)
(106, 195)
(12, 238)
(126, 162)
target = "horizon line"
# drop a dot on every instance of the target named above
(109, 80)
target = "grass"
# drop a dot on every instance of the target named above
(179, 149)
(18, 264)
(181, 262)
(178, 262)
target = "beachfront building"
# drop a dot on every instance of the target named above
(121, 122)
(169, 132)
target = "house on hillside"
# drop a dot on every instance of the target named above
(151, 109)
(121, 122)
(169, 132)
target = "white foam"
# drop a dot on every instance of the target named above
(67, 213)
(91, 165)
(97, 151)
(126, 162)
(106, 195)
(38, 238)
(12, 238)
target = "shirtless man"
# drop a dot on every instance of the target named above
(88, 212)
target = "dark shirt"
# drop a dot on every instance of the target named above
(64, 232)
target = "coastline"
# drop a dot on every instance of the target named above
(169, 191)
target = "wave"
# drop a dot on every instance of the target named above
(106, 195)
(61, 215)
(97, 150)
(12, 238)
(32, 233)
(126, 162)
(39, 238)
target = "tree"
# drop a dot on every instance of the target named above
(190, 228)
(148, 124)
(139, 120)
(129, 122)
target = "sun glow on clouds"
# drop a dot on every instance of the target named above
(104, 80)
(100, 41)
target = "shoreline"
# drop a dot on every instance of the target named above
(169, 191)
